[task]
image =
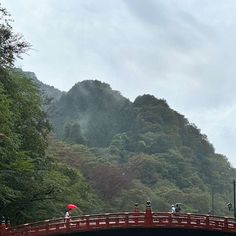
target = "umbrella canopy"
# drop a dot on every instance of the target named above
(71, 206)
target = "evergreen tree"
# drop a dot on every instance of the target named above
(12, 44)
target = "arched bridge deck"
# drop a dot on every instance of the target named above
(132, 223)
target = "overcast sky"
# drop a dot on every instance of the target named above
(181, 50)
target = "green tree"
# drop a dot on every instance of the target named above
(12, 45)
(23, 161)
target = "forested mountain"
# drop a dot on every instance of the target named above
(48, 93)
(33, 185)
(112, 153)
(150, 150)
(91, 113)
(98, 149)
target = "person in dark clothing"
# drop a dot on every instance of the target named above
(177, 208)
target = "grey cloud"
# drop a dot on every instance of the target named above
(182, 51)
(177, 27)
(151, 11)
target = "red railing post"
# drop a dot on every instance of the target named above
(148, 214)
(226, 223)
(47, 228)
(207, 222)
(87, 222)
(3, 227)
(107, 221)
(67, 225)
(188, 219)
(126, 219)
(136, 213)
(2, 230)
(170, 218)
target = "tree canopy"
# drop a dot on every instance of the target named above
(108, 152)
(12, 45)
(157, 149)
(33, 185)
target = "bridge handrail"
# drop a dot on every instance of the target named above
(124, 220)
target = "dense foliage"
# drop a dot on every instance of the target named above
(112, 154)
(32, 182)
(12, 44)
(151, 151)
(33, 185)
(96, 112)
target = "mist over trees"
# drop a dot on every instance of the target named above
(95, 110)
(33, 185)
(160, 153)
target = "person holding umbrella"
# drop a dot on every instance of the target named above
(68, 215)
(70, 207)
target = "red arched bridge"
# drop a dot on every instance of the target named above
(130, 223)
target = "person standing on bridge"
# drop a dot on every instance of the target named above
(177, 208)
(68, 215)
(172, 209)
(70, 208)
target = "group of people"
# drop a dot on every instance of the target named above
(176, 208)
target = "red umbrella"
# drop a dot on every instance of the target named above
(71, 206)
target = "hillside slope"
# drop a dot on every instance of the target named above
(143, 149)
(91, 113)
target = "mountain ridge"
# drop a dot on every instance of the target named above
(158, 150)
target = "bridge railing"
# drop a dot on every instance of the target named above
(194, 221)
(123, 220)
